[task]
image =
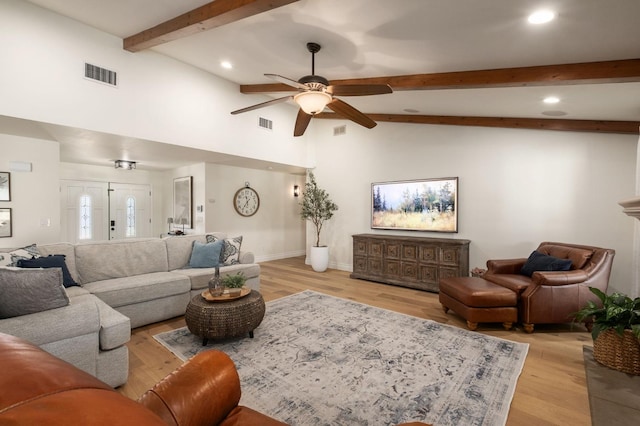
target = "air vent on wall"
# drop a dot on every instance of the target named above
(265, 123)
(100, 74)
(340, 130)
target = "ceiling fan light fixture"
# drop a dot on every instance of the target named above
(312, 102)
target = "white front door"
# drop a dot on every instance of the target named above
(129, 211)
(84, 210)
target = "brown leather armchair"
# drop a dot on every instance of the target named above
(550, 297)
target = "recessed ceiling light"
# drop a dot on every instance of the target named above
(541, 17)
(551, 100)
(411, 110)
(226, 65)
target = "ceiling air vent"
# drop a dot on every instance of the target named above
(265, 123)
(340, 130)
(100, 74)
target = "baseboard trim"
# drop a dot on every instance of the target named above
(278, 256)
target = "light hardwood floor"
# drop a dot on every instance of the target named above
(551, 389)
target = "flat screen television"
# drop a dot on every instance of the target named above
(415, 205)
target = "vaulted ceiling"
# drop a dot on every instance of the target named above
(462, 62)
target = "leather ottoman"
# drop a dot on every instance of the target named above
(477, 300)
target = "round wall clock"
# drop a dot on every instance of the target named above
(246, 201)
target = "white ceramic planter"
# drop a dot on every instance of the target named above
(319, 258)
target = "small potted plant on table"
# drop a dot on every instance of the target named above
(616, 330)
(234, 283)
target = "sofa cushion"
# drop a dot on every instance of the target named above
(514, 282)
(51, 261)
(179, 249)
(12, 257)
(119, 259)
(200, 277)
(68, 250)
(578, 256)
(27, 291)
(205, 255)
(541, 262)
(139, 288)
(231, 252)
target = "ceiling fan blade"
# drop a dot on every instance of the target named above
(351, 113)
(302, 121)
(262, 105)
(359, 89)
(287, 81)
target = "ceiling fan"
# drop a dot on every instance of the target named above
(315, 92)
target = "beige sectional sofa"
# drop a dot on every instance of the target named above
(124, 284)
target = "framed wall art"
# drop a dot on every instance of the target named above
(182, 193)
(415, 205)
(5, 223)
(5, 186)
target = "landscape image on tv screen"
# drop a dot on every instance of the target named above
(415, 205)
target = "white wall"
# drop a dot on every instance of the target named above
(158, 98)
(517, 188)
(35, 196)
(276, 231)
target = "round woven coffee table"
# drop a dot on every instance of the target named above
(233, 318)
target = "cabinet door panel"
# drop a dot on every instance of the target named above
(444, 272)
(359, 264)
(449, 256)
(360, 248)
(409, 271)
(393, 250)
(376, 248)
(409, 252)
(375, 266)
(392, 269)
(429, 274)
(429, 254)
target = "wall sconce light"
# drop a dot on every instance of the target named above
(170, 222)
(296, 190)
(124, 164)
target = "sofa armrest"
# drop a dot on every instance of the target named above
(55, 324)
(203, 390)
(505, 266)
(558, 278)
(247, 257)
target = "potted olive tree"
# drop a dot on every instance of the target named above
(615, 330)
(317, 208)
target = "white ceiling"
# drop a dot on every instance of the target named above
(373, 38)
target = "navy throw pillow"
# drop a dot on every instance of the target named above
(51, 261)
(542, 262)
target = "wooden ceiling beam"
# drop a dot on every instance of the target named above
(622, 71)
(203, 18)
(592, 126)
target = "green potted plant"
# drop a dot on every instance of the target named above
(317, 207)
(234, 283)
(615, 330)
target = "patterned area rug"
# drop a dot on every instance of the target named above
(322, 360)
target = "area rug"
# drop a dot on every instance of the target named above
(322, 360)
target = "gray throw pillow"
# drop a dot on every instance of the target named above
(27, 291)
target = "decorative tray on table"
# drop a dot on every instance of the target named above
(226, 296)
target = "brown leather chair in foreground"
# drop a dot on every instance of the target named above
(552, 297)
(37, 388)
